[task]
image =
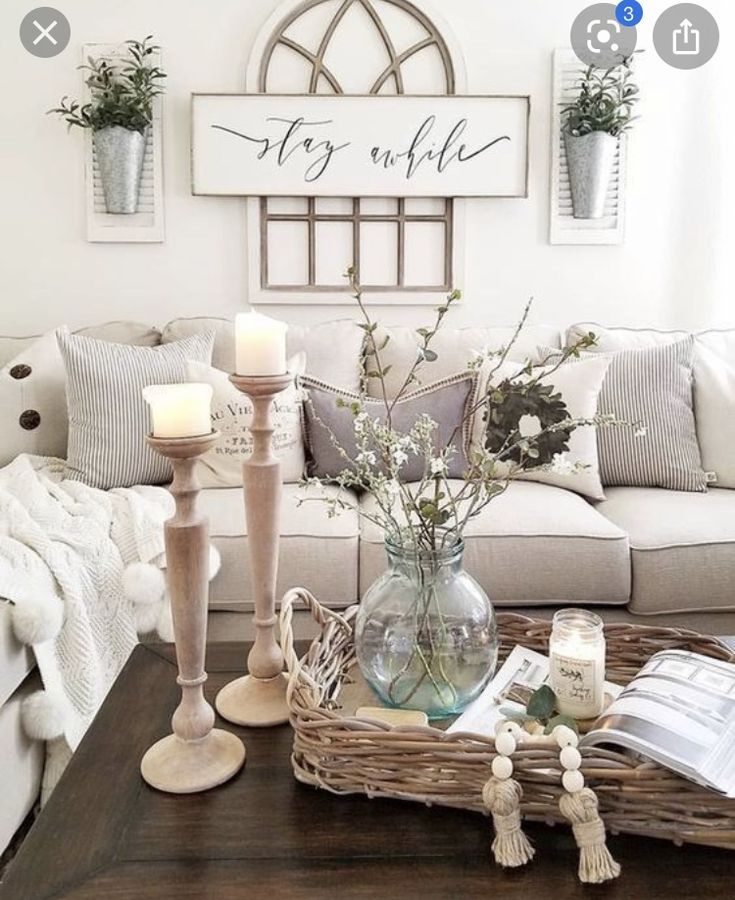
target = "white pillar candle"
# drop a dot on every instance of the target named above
(260, 345)
(179, 410)
(577, 663)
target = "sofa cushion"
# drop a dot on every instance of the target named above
(682, 547)
(22, 765)
(332, 442)
(33, 387)
(33, 402)
(579, 386)
(108, 417)
(117, 332)
(317, 552)
(16, 659)
(714, 404)
(333, 349)
(455, 348)
(535, 544)
(232, 416)
(650, 387)
(622, 338)
(714, 386)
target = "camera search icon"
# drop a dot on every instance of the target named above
(599, 38)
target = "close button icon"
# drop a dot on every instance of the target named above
(45, 32)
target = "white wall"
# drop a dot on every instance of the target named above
(675, 269)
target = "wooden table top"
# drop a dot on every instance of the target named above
(106, 834)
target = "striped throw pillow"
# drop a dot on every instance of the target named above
(652, 387)
(108, 418)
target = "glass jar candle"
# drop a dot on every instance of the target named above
(577, 663)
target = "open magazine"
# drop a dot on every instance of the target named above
(679, 711)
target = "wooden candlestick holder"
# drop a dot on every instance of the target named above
(196, 756)
(259, 699)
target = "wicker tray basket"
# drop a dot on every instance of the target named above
(347, 755)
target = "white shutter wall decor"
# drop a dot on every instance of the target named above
(146, 225)
(564, 228)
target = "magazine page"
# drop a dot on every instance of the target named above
(522, 667)
(680, 712)
(522, 673)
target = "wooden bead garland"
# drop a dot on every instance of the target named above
(502, 796)
(579, 805)
(570, 758)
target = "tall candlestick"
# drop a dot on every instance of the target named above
(577, 663)
(260, 345)
(196, 756)
(259, 699)
(179, 410)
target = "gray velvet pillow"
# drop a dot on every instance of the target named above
(445, 401)
(108, 418)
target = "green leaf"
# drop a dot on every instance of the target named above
(541, 703)
(430, 356)
(561, 720)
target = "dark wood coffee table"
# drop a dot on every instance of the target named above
(106, 834)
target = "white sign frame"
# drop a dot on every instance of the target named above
(246, 145)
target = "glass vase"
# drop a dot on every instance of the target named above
(425, 632)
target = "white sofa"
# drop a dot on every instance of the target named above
(650, 555)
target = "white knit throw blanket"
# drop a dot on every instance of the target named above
(64, 538)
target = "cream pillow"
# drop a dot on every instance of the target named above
(580, 387)
(232, 414)
(333, 349)
(714, 404)
(455, 348)
(33, 401)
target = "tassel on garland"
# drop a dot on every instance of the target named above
(502, 796)
(580, 807)
(596, 863)
(511, 848)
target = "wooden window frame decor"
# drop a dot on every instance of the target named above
(261, 289)
(400, 218)
(146, 225)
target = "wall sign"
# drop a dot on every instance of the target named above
(368, 146)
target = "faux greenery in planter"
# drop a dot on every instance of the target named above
(119, 114)
(592, 127)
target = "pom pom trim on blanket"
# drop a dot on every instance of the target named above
(38, 619)
(44, 715)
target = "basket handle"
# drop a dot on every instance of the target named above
(298, 676)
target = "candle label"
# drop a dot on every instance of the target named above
(576, 684)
